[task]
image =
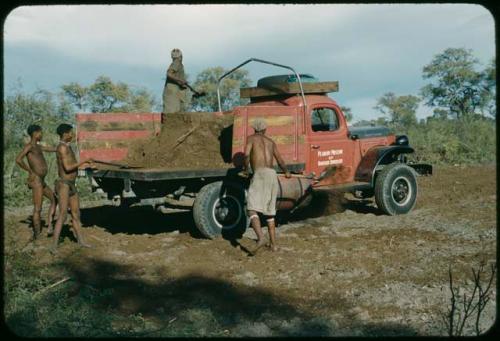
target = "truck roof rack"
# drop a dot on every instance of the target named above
(270, 88)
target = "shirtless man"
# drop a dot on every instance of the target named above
(65, 186)
(37, 169)
(260, 153)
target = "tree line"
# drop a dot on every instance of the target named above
(461, 95)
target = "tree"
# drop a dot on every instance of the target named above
(347, 113)
(488, 94)
(106, 96)
(141, 100)
(206, 81)
(22, 109)
(455, 83)
(76, 94)
(401, 110)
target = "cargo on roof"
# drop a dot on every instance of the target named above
(288, 85)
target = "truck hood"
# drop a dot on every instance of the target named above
(369, 131)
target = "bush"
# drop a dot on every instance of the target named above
(467, 141)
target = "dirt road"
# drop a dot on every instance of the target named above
(356, 272)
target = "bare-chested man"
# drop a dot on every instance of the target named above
(65, 186)
(37, 169)
(260, 153)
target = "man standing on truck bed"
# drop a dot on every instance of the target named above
(175, 92)
(65, 186)
(37, 169)
(260, 152)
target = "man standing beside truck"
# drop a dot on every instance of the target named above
(175, 92)
(37, 169)
(260, 153)
(65, 186)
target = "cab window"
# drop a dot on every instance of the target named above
(324, 119)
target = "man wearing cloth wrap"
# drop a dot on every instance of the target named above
(175, 93)
(260, 153)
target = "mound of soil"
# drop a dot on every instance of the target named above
(198, 140)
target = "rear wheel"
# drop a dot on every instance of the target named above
(396, 189)
(220, 209)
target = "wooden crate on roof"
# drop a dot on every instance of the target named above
(290, 89)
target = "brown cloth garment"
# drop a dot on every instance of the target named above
(263, 191)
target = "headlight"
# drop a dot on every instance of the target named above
(402, 140)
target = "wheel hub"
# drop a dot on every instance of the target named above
(227, 212)
(401, 191)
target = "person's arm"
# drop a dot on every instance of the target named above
(171, 75)
(248, 150)
(68, 166)
(20, 158)
(280, 160)
(48, 149)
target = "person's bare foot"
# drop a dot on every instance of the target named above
(260, 244)
(50, 231)
(273, 248)
(86, 245)
(53, 249)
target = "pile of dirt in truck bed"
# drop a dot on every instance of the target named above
(198, 140)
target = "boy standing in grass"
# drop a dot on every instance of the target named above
(37, 169)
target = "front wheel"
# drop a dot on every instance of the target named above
(220, 209)
(396, 189)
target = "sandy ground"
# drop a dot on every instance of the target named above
(356, 272)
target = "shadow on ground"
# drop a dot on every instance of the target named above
(138, 220)
(213, 303)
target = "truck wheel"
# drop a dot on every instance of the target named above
(396, 189)
(220, 210)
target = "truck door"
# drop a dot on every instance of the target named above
(328, 142)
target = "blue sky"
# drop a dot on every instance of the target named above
(369, 49)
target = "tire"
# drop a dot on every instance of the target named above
(396, 189)
(220, 210)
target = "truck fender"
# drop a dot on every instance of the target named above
(377, 157)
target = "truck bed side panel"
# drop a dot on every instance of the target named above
(108, 136)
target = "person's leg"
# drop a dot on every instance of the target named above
(37, 190)
(63, 196)
(52, 210)
(165, 99)
(272, 233)
(74, 204)
(255, 221)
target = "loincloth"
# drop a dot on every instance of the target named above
(263, 191)
(71, 184)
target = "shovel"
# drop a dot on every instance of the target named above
(196, 94)
(120, 165)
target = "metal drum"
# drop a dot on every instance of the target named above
(291, 191)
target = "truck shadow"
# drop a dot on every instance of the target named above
(201, 302)
(138, 220)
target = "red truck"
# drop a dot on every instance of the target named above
(312, 135)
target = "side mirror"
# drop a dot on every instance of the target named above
(354, 136)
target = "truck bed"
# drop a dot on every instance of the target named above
(161, 174)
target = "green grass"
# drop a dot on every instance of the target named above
(17, 193)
